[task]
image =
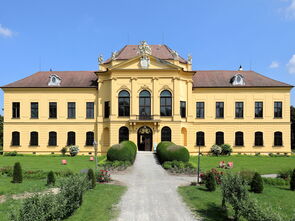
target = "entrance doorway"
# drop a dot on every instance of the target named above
(144, 138)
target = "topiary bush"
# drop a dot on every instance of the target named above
(17, 176)
(226, 149)
(168, 151)
(50, 179)
(257, 183)
(131, 146)
(292, 181)
(121, 152)
(216, 150)
(74, 150)
(64, 150)
(210, 182)
(91, 178)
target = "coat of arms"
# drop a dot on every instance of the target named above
(144, 62)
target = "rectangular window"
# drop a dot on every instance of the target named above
(200, 109)
(258, 109)
(15, 110)
(52, 110)
(239, 109)
(200, 138)
(106, 109)
(34, 110)
(183, 109)
(219, 109)
(90, 110)
(278, 107)
(52, 139)
(71, 110)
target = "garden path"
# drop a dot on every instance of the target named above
(152, 192)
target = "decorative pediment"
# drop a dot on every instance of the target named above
(54, 80)
(124, 87)
(144, 87)
(165, 87)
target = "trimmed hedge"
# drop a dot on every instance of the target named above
(168, 151)
(125, 151)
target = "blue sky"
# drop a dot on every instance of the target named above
(220, 34)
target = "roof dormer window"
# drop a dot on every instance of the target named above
(54, 80)
(238, 79)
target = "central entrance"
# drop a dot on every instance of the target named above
(144, 138)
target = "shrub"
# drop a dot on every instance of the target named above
(17, 173)
(7, 171)
(103, 176)
(275, 181)
(292, 181)
(226, 149)
(50, 179)
(121, 152)
(257, 183)
(285, 174)
(247, 175)
(10, 154)
(64, 150)
(216, 174)
(210, 182)
(168, 152)
(216, 150)
(132, 146)
(91, 178)
(74, 150)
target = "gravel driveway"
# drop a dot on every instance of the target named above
(152, 192)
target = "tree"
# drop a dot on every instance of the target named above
(17, 176)
(210, 182)
(50, 179)
(292, 181)
(91, 178)
(257, 183)
(292, 113)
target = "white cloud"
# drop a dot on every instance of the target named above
(274, 64)
(290, 10)
(5, 32)
(291, 65)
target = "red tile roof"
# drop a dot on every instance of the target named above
(222, 79)
(68, 79)
(159, 51)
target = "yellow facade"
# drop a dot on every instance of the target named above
(128, 75)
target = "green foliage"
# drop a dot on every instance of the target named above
(50, 179)
(179, 167)
(247, 175)
(115, 165)
(216, 150)
(17, 176)
(64, 150)
(275, 181)
(285, 174)
(1, 131)
(292, 181)
(210, 182)
(226, 149)
(52, 207)
(168, 151)
(12, 154)
(91, 178)
(257, 183)
(122, 152)
(74, 150)
(103, 176)
(132, 146)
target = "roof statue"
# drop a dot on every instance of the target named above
(189, 59)
(100, 59)
(114, 55)
(144, 48)
(175, 55)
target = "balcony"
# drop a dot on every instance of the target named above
(145, 117)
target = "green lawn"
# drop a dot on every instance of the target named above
(261, 164)
(28, 185)
(48, 163)
(98, 204)
(208, 204)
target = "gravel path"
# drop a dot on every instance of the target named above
(152, 192)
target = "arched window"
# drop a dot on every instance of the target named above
(258, 138)
(278, 138)
(144, 104)
(15, 138)
(123, 134)
(200, 138)
(124, 103)
(239, 139)
(166, 103)
(34, 139)
(166, 134)
(89, 138)
(219, 138)
(52, 138)
(71, 138)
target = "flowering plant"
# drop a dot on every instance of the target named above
(74, 150)
(103, 176)
(216, 173)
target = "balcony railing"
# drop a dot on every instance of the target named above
(144, 117)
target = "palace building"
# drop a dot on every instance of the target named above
(147, 94)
